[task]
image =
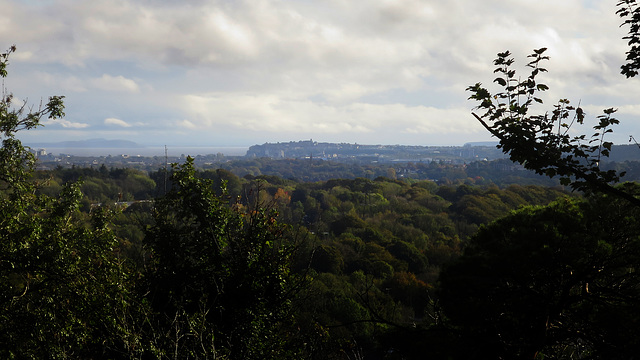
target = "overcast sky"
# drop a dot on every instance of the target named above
(237, 73)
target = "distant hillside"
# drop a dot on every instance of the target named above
(469, 152)
(88, 144)
(624, 153)
(374, 153)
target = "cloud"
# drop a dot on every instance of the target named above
(186, 124)
(382, 69)
(116, 122)
(630, 110)
(116, 83)
(300, 34)
(344, 40)
(65, 124)
(266, 113)
(65, 83)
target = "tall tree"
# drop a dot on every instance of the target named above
(220, 282)
(556, 282)
(63, 289)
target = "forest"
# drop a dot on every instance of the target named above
(194, 263)
(202, 263)
(336, 269)
(355, 262)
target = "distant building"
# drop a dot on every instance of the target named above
(39, 152)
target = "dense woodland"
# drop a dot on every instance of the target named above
(342, 269)
(365, 254)
(188, 263)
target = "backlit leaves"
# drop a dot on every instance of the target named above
(542, 142)
(630, 12)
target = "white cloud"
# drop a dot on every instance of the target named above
(278, 115)
(65, 124)
(23, 56)
(64, 83)
(333, 67)
(116, 83)
(116, 122)
(186, 124)
(630, 110)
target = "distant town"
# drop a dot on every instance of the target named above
(376, 153)
(306, 149)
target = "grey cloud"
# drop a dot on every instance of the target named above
(343, 52)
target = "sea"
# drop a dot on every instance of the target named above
(148, 151)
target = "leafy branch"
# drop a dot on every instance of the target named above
(541, 142)
(24, 118)
(630, 11)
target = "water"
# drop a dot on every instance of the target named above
(150, 151)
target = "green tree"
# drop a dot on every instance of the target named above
(542, 142)
(630, 12)
(63, 290)
(555, 282)
(220, 282)
(561, 281)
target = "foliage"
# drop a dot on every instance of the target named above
(299, 170)
(210, 270)
(64, 290)
(375, 255)
(383, 243)
(63, 287)
(560, 281)
(102, 185)
(542, 142)
(630, 12)
(16, 163)
(554, 282)
(220, 280)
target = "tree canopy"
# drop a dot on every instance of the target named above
(63, 287)
(555, 282)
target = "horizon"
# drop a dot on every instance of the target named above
(83, 147)
(158, 150)
(78, 143)
(151, 150)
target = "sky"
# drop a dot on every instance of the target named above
(244, 72)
